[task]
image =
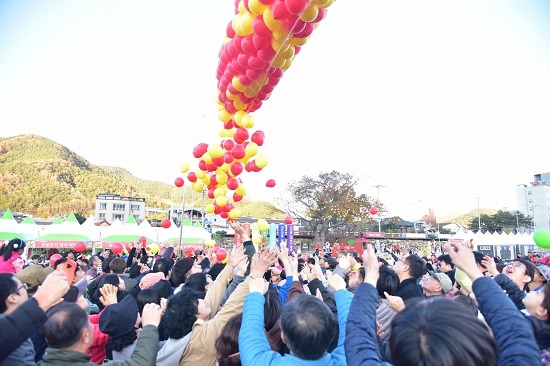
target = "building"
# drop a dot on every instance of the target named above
(112, 206)
(533, 200)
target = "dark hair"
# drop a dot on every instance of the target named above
(308, 326)
(106, 264)
(447, 259)
(272, 308)
(467, 302)
(163, 265)
(227, 343)
(417, 267)
(117, 265)
(65, 324)
(13, 246)
(311, 261)
(145, 297)
(71, 295)
(197, 282)
(8, 286)
(546, 302)
(163, 288)
(181, 313)
(439, 332)
(529, 267)
(479, 257)
(388, 281)
(120, 342)
(134, 270)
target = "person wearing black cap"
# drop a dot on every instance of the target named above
(119, 321)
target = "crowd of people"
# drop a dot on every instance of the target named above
(266, 306)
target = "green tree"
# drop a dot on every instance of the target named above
(219, 237)
(501, 221)
(324, 202)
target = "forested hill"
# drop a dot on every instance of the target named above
(43, 178)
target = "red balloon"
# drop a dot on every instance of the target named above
(166, 223)
(373, 210)
(237, 197)
(80, 247)
(288, 220)
(238, 152)
(116, 248)
(270, 183)
(178, 182)
(192, 177)
(241, 135)
(232, 184)
(221, 254)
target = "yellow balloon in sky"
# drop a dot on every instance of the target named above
(224, 116)
(197, 186)
(234, 214)
(221, 201)
(221, 178)
(261, 161)
(298, 41)
(210, 208)
(220, 191)
(184, 168)
(215, 150)
(256, 7)
(238, 117)
(257, 239)
(247, 121)
(262, 225)
(251, 149)
(200, 174)
(273, 24)
(241, 190)
(310, 13)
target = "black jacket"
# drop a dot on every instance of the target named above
(409, 289)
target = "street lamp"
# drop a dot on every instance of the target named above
(478, 216)
(378, 186)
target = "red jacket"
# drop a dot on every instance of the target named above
(97, 349)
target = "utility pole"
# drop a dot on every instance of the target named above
(478, 215)
(378, 186)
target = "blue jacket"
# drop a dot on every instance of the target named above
(254, 347)
(362, 343)
(515, 339)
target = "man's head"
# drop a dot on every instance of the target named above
(388, 281)
(542, 276)
(68, 327)
(537, 303)
(94, 261)
(410, 266)
(163, 265)
(445, 263)
(181, 313)
(436, 283)
(307, 327)
(440, 332)
(12, 293)
(117, 265)
(35, 258)
(356, 276)
(521, 272)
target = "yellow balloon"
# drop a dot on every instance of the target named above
(234, 214)
(247, 121)
(221, 201)
(225, 167)
(289, 53)
(262, 225)
(206, 180)
(245, 24)
(272, 23)
(207, 158)
(298, 41)
(220, 191)
(241, 190)
(210, 208)
(224, 116)
(287, 64)
(209, 243)
(184, 168)
(215, 150)
(200, 174)
(257, 239)
(197, 186)
(241, 7)
(251, 149)
(280, 36)
(310, 13)
(221, 178)
(256, 7)
(261, 161)
(223, 133)
(278, 61)
(238, 117)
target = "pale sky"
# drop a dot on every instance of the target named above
(440, 102)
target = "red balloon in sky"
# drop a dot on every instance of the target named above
(270, 183)
(80, 247)
(178, 182)
(373, 210)
(288, 220)
(166, 223)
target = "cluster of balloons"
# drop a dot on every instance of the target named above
(262, 40)
(541, 237)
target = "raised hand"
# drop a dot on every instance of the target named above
(337, 283)
(463, 258)
(52, 290)
(108, 294)
(370, 263)
(258, 284)
(239, 229)
(261, 262)
(236, 256)
(395, 302)
(151, 315)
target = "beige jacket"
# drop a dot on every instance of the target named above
(201, 350)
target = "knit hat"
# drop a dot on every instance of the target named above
(150, 279)
(120, 318)
(33, 276)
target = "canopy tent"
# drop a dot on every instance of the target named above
(129, 232)
(189, 233)
(64, 234)
(10, 229)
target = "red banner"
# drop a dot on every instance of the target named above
(57, 244)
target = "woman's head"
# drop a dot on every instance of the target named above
(440, 332)
(15, 245)
(537, 303)
(227, 345)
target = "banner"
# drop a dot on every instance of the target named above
(280, 234)
(290, 238)
(272, 235)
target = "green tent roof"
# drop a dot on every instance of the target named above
(131, 220)
(125, 239)
(57, 221)
(9, 236)
(71, 218)
(28, 220)
(7, 215)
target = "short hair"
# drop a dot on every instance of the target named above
(65, 324)
(163, 288)
(272, 308)
(8, 286)
(117, 265)
(529, 267)
(308, 326)
(468, 303)
(106, 264)
(147, 296)
(439, 332)
(197, 282)
(388, 281)
(163, 265)
(35, 256)
(417, 267)
(181, 313)
(446, 259)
